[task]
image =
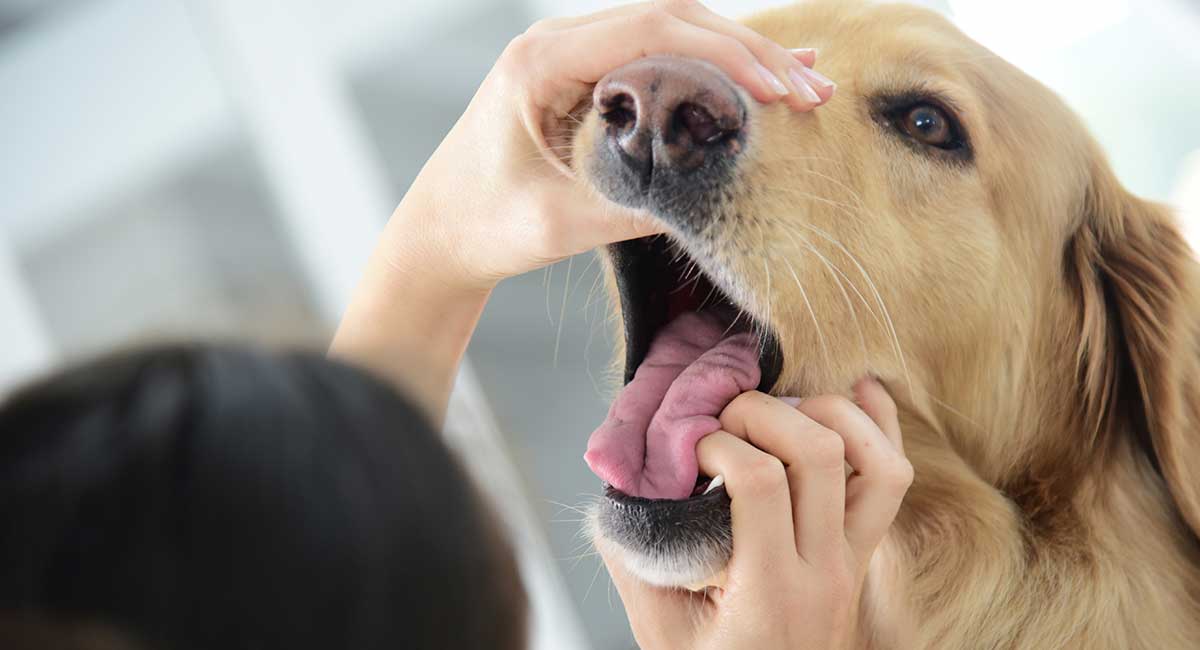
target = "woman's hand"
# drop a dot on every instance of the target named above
(496, 200)
(803, 533)
(499, 201)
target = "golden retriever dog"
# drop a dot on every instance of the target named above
(946, 224)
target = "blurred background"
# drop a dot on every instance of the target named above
(220, 168)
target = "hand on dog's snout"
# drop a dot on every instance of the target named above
(498, 198)
(804, 532)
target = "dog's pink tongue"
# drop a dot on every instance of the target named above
(647, 445)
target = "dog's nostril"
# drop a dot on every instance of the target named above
(667, 114)
(699, 124)
(619, 111)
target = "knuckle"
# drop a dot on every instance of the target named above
(654, 20)
(520, 50)
(887, 407)
(543, 25)
(840, 405)
(761, 43)
(733, 50)
(677, 7)
(747, 400)
(898, 473)
(742, 405)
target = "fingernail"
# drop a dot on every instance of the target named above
(803, 52)
(791, 401)
(819, 79)
(771, 80)
(805, 90)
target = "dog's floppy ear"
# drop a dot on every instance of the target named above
(1138, 355)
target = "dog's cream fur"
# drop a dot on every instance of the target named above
(1037, 324)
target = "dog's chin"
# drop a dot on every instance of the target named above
(668, 543)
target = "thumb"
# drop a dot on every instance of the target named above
(612, 222)
(586, 219)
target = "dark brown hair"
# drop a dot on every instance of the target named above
(223, 497)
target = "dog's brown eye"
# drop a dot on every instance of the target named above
(929, 125)
(926, 123)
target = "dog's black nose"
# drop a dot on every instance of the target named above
(670, 116)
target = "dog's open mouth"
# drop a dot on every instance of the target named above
(690, 349)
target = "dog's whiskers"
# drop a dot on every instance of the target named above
(953, 411)
(599, 565)
(689, 284)
(833, 272)
(729, 329)
(877, 295)
(562, 310)
(878, 298)
(845, 208)
(546, 281)
(853, 286)
(704, 303)
(565, 506)
(767, 269)
(850, 211)
(577, 558)
(850, 190)
(811, 312)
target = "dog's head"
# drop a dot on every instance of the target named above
(944, 223)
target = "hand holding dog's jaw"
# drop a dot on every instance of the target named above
(798, 546)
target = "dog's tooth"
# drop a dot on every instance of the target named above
(717, 482)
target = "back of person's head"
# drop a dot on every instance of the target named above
(221, 497)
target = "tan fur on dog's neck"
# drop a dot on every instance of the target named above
(1108, 565)
(1021, 540)
(1039, 517)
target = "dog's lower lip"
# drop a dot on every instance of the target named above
(620, 498)
(703, 484)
